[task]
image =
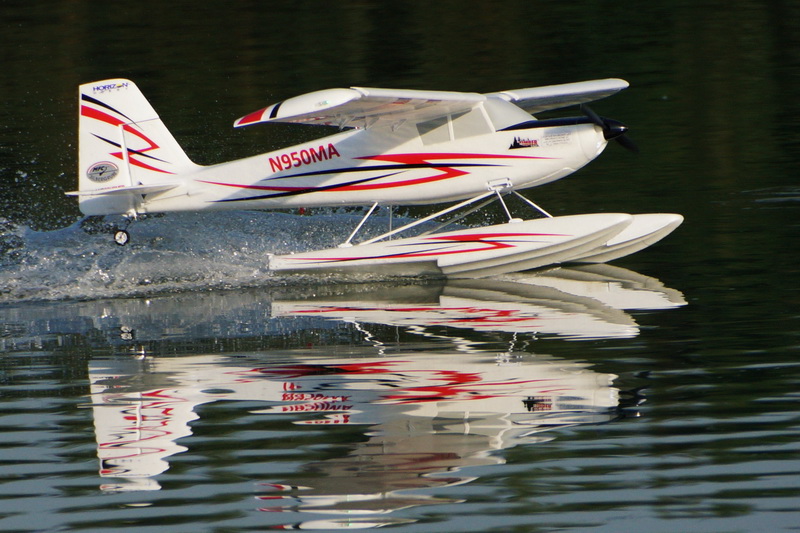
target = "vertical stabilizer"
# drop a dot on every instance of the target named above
(124, 149)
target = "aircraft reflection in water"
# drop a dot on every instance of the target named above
(427, 415)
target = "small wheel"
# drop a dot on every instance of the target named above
(121, 237)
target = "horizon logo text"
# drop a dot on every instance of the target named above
(110, 87)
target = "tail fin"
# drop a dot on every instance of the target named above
(125, 150)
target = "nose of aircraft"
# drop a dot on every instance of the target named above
(616, 130)
(613, 129)
(593, 140)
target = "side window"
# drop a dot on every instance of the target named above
(469, 124)
(434, 131)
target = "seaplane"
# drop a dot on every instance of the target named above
(393, 147)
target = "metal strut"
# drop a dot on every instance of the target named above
(347, 243)
(457, 218)
(423, 220)
(542, 211)
(494, 191)
(505, 208)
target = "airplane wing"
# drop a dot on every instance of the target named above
(362, 107)
(537, 99)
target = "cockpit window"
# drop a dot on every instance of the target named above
(457, 126)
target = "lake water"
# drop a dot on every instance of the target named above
(177, 385)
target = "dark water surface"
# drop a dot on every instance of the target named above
(176, 385)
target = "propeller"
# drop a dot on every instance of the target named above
(612, 129)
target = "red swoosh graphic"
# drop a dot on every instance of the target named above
(485, 239)
(447, 171)
(96, 114)
(410, 159)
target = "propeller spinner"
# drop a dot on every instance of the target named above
(612, 129)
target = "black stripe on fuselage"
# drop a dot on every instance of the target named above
(303, 191)
(548, 123)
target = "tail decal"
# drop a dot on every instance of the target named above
(127, 128)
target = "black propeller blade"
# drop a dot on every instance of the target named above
(612, 129)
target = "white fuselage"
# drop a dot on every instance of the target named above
(389, 167)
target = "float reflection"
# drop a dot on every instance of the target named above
(575, 303)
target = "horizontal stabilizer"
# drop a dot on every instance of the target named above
(135, 189)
